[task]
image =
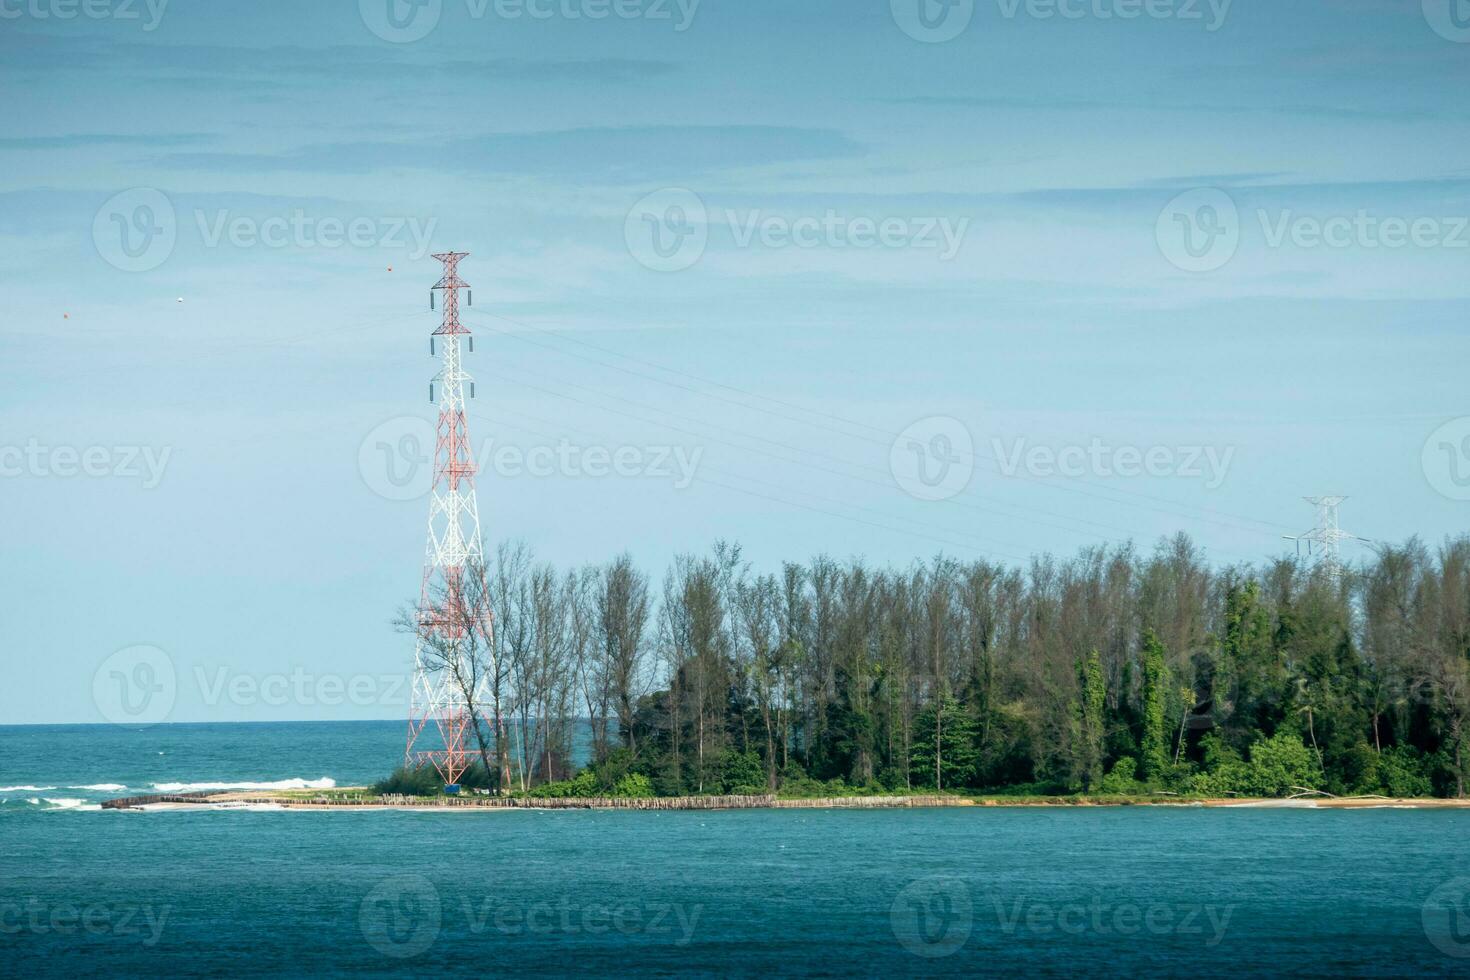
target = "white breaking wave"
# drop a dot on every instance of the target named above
(323, 783)
(68, 803)
(101, 787)
(24, 789)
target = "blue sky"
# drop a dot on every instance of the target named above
(862, 281)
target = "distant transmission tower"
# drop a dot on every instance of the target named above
(454, 610)
(1323, 539)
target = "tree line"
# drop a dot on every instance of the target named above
(1115, 672)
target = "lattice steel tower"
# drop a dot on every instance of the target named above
(454, 611)
(1325, 537)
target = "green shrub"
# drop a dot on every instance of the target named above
(891, 779)
(584, 784)
(1282, 762)
(1277, 765)
(742, 769)
(411, 781)
(1402, 772)
(634, 785)
(1120, 780)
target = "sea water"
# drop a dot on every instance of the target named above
(1142, 891)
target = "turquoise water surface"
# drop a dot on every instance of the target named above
(1113, 891)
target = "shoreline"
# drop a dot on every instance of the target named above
(271, 801)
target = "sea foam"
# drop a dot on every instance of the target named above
(323, 783)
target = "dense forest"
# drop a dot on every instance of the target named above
(1114, 672)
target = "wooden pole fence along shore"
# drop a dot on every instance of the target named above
(555, 803)
(132, 801)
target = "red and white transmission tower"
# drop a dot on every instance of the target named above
(454, 605)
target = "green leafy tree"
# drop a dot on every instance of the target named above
(954, 747)
(1090, 721)
(1155, 742)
